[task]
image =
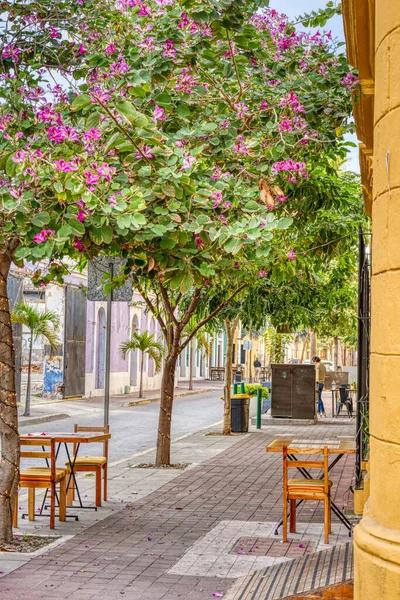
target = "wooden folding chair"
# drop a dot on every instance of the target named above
(306, 489)
(90, 464)
(42, 477)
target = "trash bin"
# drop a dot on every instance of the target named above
(240, 405)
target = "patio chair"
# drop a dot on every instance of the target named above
(305, 489)
(42, 477)
(91, 464)
(345, 400)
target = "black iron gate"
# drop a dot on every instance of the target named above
(74, 342)
(15, 294)
(363, 352)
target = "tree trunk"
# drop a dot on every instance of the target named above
(27, 410)
(163, 455)
(335, 353)
(251, 355)
(313, 345)
(191, 349)
(230, 328)
(304, 347)
(141, 376)
(9, 470)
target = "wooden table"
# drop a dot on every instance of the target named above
(338, 448)
(65, 439)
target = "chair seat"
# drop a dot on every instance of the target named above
(41, 474)
(83, 461)
(307, 484)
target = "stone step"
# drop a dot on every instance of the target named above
(298, 576)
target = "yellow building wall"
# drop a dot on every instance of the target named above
(377, 537)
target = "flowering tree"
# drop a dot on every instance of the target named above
(177, 138)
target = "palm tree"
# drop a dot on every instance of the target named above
(147, 344)
(40, 323)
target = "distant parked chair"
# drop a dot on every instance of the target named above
(90, 464)
(305, 489)
(42, 477)
(345, 400)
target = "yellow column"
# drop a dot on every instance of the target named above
(377, 537)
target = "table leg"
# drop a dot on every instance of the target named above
(72, 475)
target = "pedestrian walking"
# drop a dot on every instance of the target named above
(320, 380)
(257, 369)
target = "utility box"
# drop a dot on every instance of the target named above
(293, 391)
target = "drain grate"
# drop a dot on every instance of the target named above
(310, 572)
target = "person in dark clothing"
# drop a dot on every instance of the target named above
(257, 369)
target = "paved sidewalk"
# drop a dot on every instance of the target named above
(190, 537)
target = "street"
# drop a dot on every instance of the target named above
(133, 429)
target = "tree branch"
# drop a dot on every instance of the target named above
(151, 307)
(211, 316)
(167, 304)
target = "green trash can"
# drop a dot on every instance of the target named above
(240, 408)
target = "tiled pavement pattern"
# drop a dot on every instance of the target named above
(272, 547)
(132, 553)
(301, 575)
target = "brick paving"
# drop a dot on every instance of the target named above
(273, 547)
(132, 553)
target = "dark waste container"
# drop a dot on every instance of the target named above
(240, 407)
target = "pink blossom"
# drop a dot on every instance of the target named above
(59, 134)
(42, 237)
(188, 162)
(262, 273)
(5, 120)
(99, 95)
(120, 66)
(181, 143)
(92, 134)
(291, 255)
(144, 11)
(292, 100)
(19, 157)
(146, 151)
(148, 43)
(264, 105)
(186, 82)
(78, 245)
(81, 50)
(82, 215)
(350, 81)
(158, 113)
(290, 166)
(106, 171)
(184, 22)
(227, 204)
(218, 174)
(35, 93)
(169, 50)
(285, 125)
(111, 49)
(11, 51)
(241, 109)
(112, 200)
(217, 197)
(199, 241)
(47, 115)
(54, 33)
(91, 178)
(65, 166)
(240, 148)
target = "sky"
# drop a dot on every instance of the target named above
(294, 8)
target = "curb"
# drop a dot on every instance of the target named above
(42, 419)
(157, 398)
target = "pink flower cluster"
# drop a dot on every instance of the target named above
(292, 167)
(292, 100)
(93, 176)
(158, 114)
(241, 109)
(186, 82)
(199, 242)
(188, 162)
(350, 81)
(291, 255)
(65, 166)
(43, 235)
(61, 133)
(11, 51)
(169, 50)
(218, 174)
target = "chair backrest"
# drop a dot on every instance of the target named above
(289, 463)
(344, 394)
(85, 429)
(47, 452)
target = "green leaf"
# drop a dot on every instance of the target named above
(186, 283)
(76, 226)
(158, 229)
(230, 244)
(177, 280)
(93, 120)
(11, 166)
(182, 110)
(22, 252)
(251, 205)
(64, 232)
(124, 221)
(285, 223)
(138, 219)
(81, 102)
(144, 171)
(128, 111)
(208, 126)
(41, 219)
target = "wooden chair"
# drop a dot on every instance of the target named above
(42, 477)
(90, 464)
(306, 489)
